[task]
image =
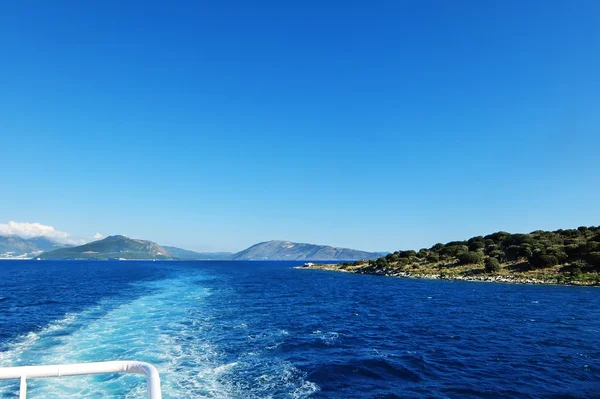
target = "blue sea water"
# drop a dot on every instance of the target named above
(266, 330)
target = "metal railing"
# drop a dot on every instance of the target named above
(62, 370)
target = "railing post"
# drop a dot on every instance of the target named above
(23, 388)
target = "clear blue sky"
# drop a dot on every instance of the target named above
(212, 125)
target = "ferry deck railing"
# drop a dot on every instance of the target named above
(63, 370)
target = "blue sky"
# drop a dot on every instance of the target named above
(373, 125)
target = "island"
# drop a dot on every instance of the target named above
(119, 247)
(570, 257)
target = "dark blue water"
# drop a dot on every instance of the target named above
(265, 330)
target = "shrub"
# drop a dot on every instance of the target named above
(492, 265)
(574, 269)
(403, 261)
(468, 258)
(593, 246)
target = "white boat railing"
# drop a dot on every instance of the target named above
(63, 370)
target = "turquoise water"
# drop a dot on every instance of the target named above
(266, 330)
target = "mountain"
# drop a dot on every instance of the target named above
(121, 247)
(46, 244)
(112, 247)
(187, 254)
(286, 250)
(15, 247)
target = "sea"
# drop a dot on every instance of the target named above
(268, 330)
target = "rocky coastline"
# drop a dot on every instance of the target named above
(507, 279)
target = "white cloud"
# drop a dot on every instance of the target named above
(28, 230)
(98, 236)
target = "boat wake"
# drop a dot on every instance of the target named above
(171, 326)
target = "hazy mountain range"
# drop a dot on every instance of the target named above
(121, 247)
(16, 247)
(286, 250)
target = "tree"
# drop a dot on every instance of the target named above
(437, 247)
(404, 262)
(476, 245)
(516, 239)
(407, 254)
(498, 254)
(593, 246)
(512, 252)
(574, 269)
(491, 248)
(492, 265)
(539, 259)
(433, 257)
(593, 258)
(468, 258)
(497, 237)
(557, 251)
(575, 251)
(392, 257)
(454, 250)
(525, 251)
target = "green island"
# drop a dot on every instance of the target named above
(570, 257)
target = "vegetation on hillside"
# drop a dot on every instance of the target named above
(560, 255)
(112, 247)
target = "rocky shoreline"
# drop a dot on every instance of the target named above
(511, 279)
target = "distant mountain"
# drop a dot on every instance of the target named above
(286, 250)
(46, 244)
(193, 255)
(121, 247)
(112, 247)
(15, 247)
